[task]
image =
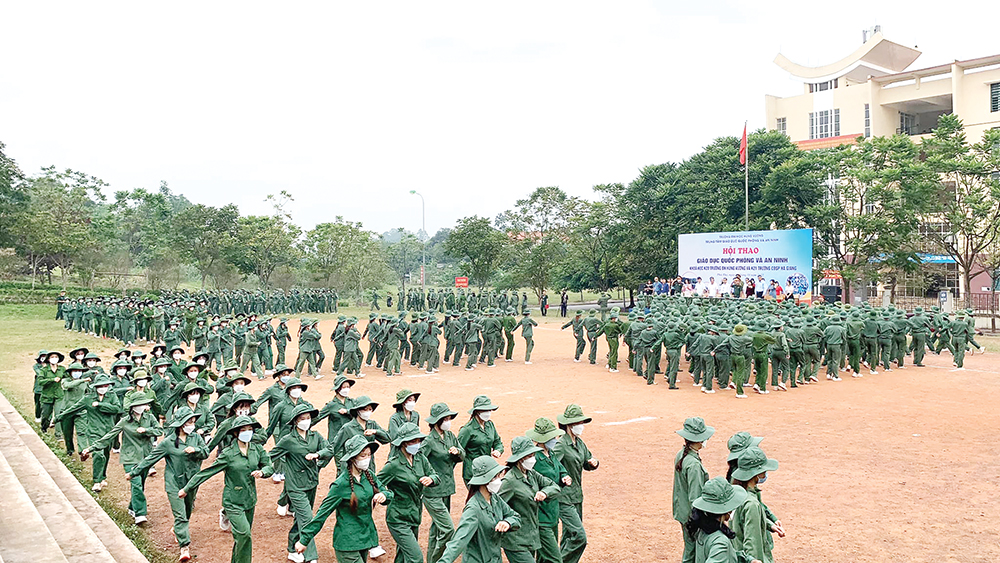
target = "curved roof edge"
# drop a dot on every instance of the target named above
(878, 53)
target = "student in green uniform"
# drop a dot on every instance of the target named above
(479, 436)
(242, 463)
(574, 455)
(352, 495)
(74, 386)
(192, 397)
(485, 519)
(527, 333)
(546, 436)
(750, 522)
(407, 475)
(689, 477)
(406, 411)
(275, 394)
(298, 452)
(184, 450)
(50, 381)
(581, 343)
(100, 410)
(336, 412)
(709, 515)
(444, 452)
(524, 489)
(361, 424)
(37, 388)
(136, 428)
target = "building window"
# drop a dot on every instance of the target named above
(782, 126)
(868, 121)
(824, 124)
(907, 124)
(995, 97)
(823, 86)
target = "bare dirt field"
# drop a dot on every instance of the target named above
(897, 466)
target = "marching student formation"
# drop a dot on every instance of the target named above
(527, 504)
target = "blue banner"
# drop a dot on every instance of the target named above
(784, 257)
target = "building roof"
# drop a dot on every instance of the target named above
(939, 69)
(876, 57)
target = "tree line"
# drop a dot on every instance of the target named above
(878, 208)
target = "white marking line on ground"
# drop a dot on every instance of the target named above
(554, 402)
(630, 421)
(511, 392)
(601, 412)
(952, 368)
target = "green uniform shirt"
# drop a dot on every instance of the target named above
(300, 474)
(181, 466)
(51, 383)
(135, 445)
(99, 414)
(750, 524)
(519, 490)
(717, 548)
(478, 441)
(331, 412)
(240, 489)
(476, 538)
(354, 530)
(575, 458)
(443, 462)
(688, 483)
(549, 466)
(403, 479)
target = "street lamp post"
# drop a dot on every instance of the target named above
(423, 244)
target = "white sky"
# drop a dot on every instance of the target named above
(349, 105)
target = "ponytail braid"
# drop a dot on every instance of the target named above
(354, 497)
(687, 450)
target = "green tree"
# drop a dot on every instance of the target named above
(345, 254)
(403, 255)
(13, 196)
(593, 260)
(204, 233)
(967, 198)
(478, 246)
(266, 242)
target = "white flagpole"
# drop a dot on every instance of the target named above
(746, 184)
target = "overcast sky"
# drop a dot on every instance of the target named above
(350, 105)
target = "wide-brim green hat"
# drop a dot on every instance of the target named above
(718, 496)
(295, 382)
(101, 380)
(739, 442)
(302, 409)
(341, 380)
(752, 462)
(194, 386)
(139, 374)
(241, 377)
(170, 352)
(74, 351)
(76, 366)
(402, 395)
(484, 469)
(482, 403)
(181, 415)
(362, 402)
(520, 448)
(42, 354)
(439, 411)
(190, 365)
(162, 362)
(242, 421)
(356, 445)
(406, 432)
(573, 415)
(281, 369)
(138, 354)
(695, 430)
(92, 356)
(544, 431)
(137, 400)
(237, 398)
(54, 353)
(120, 364)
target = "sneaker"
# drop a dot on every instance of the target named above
(614, 371)
(873, 372)
(185, 554)
(731, 386)
(296, 557)
(696, 384)
(97, 487)
(282, 510)
(756, 388)
(529, 363)
(38, 420)
(741, 396)
(856, 375)
(577, 360)
(781, 387)
(707, 391)
(959, 369)
(376, 551)
(319, 376)
(837, 379)
(828, 376)
(224, 524)
(114, 451)
(468, 369)
(140, 520)
(812, 378)
(506, 360)
(152, 472)
(131, 513)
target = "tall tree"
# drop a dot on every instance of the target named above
(266, 242)
(345, 254)
(478, 246)
(13, 195)
(593, 260)
(204, 234)
(403, 255)
(967, 198)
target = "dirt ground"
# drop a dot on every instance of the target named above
(898, 466)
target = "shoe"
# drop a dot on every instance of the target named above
(837, 379)
(131, 513)
(731, 386)
(38, 420)
(673, 387)
(920, 365)
(781, 387)
(185, 554)
(529, 363)
(696, 384)
(900, 367)
(360, 375)
(140, 520)
(282, 510)
(114, 451)
(152, 471)
(97, 487)
(224, 523)
(468, 369)
(873, 372)
(707, 391)
(506, 360)
(614, 371)
(828, 376)
(296, 557)
(376, 551)
(741, 396)
(756, 388)
(959, 369)
(888, 369)
(856, 375)
(577, 360)
(319, 376)
(812, 379)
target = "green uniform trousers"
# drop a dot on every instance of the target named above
(707, 371)
(723, 367)
(301, 503)
(241, 520)
(899, 348)
(593, 350)
(574, 538)
(473, 354)
(281, 354)
(833, 361)
(958, 351)
(99, 464)
(854, 354)
(549, 550)
(181, 509)
(612, 353)
(519, 556)
(779, 366)
(137, 486)
(673, 363)
(67, 424)
(351, 556)
(393, 362)
(689, 542)
(740, 367)
(510, 345)
(581, 345)
(651, 356)
(760, 364)
(407, 546)
(306, 358)
(919, 345)
(442, 526)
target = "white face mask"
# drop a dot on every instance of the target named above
(76, 374)
(551, 444)
(54, 360)
(285, 378)
(200, 361)
(410, 405)
(363, 464)
(161, 370)
(188, 428)
(365, 415)
(91, 363)
(345, 391)
(238, 387)
(494, 486)
(295, 393)
(412, 449)
(245, 436)
(243, 412)
(577, 429)
(485, 415)
(192, 375)
(137, 411)
(446, 425)
(177, 356)
(528, 463)
(102, 390)
(122, 371)
(193, 398)
(140, 383)
(304, 424)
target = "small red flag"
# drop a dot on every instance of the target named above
(743, 146)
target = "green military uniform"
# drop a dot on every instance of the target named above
(50, 381)
(402, 476)
(526, 325)
(689, 479)
(297, 452)
(749, 519)
(520, 487)
(337, 411)
(574, 455)
(479, 437)
(444, 452)
(718, 497)
(581, 344)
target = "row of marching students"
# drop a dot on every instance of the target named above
(540, 479)
(723, 519)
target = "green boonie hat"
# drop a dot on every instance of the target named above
(230, 365)
(404, 394)
(439, 411)
(521, 447)
(214, 324)
(139, 374)
(202, 354)
(190, 365)
(526, 312)
(295, 382)
(171, 351)
(484, 469)
(241, 397)
(372, 316)
(194, 386)
(341, 380)
(42, 354)
(592, 312)
(92, 356)
(162, 362)
(573, 415)
(718, 496)
(544, 431)
(579, 312)
(356, 445)
(121, 364)
(138, 400)
(414, 315)
(740, 329)
(138, 354)
(181, 415)
(753, 462)
(406, 432)
(695, 430)
(102, 380)
(242, 421)
(362, 402)
(283, 320)
(241, 377)
(740, 442)
(54, 353)
(80, 349)
(302, 409)
(482, 403)
(281, 369)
